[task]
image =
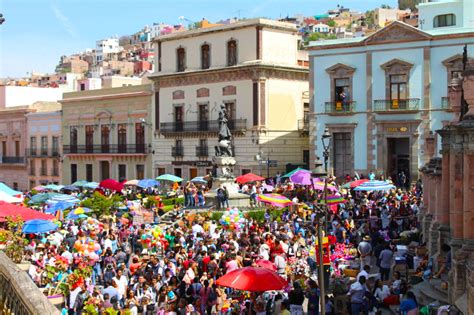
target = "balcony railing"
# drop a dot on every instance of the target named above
(43, 152)
(12, 159)
(177, 151)
(110, 149)
(303, 124)
(397, 105)
(201, 126)
(445, 103)
(202, 151)
(343, 107)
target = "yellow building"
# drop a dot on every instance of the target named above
(254, 68)
(107, 133)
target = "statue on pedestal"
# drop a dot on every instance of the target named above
(223, 147)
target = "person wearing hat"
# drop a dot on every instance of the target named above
(365, 252)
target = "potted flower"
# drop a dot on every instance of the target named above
(15, 242)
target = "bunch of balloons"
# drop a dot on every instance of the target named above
(89, 249)
(233, 219)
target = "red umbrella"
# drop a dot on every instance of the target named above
(358, 182)
(111, 184)
(267, 264)
(26, 214)
(255, 279)
(249, 177)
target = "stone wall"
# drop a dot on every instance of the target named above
(18, 294)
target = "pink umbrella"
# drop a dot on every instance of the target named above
(319, 185)
(301, 177)
(275, 200)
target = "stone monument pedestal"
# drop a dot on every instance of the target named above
(225, 177)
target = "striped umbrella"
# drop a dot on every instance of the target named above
(374, 185)
(334, 199)
(318, 184)
(275, 200)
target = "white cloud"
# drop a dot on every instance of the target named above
(64, 20)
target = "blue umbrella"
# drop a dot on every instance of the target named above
(147, 183)
(70, 188)
(80, 183)
(91, 185)
(53, 187)
(39, 226)
(199, 179)
(60, 205)
(73, 216)
(8, 190)
(375, 185)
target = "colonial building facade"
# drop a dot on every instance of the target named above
(43, 144)
(256, 70)
(383, 96)
(107, 133)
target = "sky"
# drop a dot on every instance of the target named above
(37, 33)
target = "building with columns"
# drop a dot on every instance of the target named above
(386, 94)
(253, 67)
(107, 133)
(448, 213)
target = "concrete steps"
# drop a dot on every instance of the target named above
(430, 291)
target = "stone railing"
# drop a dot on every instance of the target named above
(18, 294)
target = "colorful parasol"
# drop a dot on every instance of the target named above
(133, 182)
(354, 183)
(254, 279)
(375, 185)
(247, 178)
(275, 200)
(111, 184)
(319, 185)
(169, 177)
(335, 199)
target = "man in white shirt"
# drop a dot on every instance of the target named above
(364, 272)
(122, 284)
(197, 229)
(280, 263)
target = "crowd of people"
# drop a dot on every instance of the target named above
(172, 268)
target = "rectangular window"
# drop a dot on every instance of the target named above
(140, 137)
(73, 139)
(55, 168)
(105, 138)
(122, 172)
(122, 138)
(203, 116)
(444, 20)
(178, 172)
(140, 171)
(4, 148)
(181, 59)
(55, 146)
(178, 118)
(89, 138)
(32, 167)
(398, 91)
(44, 145)
(342, 153)
(342, 94)
(32, 146)
(161, 171)
(89, 172)
(306, 158)
(44, 167)
(73, 173)
(231, 53)
(17, 148)
(205, 56)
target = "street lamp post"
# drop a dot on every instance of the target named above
(319, 172)
(326, 140)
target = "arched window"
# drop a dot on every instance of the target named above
(205, 56)
(181, 59)
(444, 20)
(231, 53)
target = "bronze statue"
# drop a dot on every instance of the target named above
(223, 147)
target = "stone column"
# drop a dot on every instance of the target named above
(445, 193)
(456, 196)
(468, 203)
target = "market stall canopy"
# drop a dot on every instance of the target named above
(275, 200)
(169, 177)
(354, 183)
(294, 171)
(53, 187)
(91, 185)
(80, 183)
(254, 279)
(372, 185)
(59, 206)
(39, 226)
(11, 199)
(199, 180)
(26, 214)
(111, 184)
(8, 190)
(41, 198)
(249, 177)
(70, 188)
(133, 182)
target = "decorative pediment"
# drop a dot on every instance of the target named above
(202, 92)
(340, 68)
(105, 114)
(178, 95)
(396, 64)
(396, 32)
(229, 90)
(454, 61)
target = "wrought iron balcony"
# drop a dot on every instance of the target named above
(342, 107)
(201, 126)
(43, 152)
(106, 149)
(12, 159)
(409, 104)
(445, 103)
(177, 151)
(202, 151)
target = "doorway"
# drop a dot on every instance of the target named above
(192, 173)
(104, 169)
(177, 172)
(398, 157)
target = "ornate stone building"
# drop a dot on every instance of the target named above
(256, 69)
(448, 212)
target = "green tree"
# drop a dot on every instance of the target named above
(408, 4)
(319, 36)
(102, 205)
(331, 23)
(385, 6)
(369, 17)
